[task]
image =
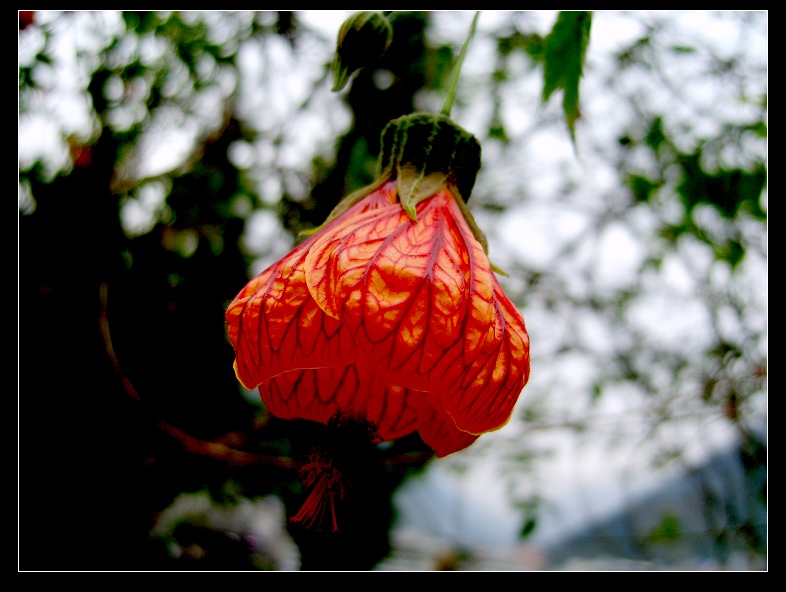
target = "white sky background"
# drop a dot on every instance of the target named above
(552, 197)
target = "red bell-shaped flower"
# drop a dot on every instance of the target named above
(391, 311)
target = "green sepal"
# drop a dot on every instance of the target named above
(498, 270)
(414, 186)
(346, 203)
(340, 74)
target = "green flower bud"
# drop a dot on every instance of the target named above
(362, 39)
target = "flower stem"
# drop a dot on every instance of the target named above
(454, 77)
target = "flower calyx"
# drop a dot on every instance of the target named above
(424, 153)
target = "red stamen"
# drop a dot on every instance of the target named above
(326, 482)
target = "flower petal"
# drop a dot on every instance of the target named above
(488, 393)
(417, 295)
(275, 325)
(440, 433)
(317, 394)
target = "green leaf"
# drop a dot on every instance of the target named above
(642, 187)
(760, 128)
(668, 531)
(528, 528)
(728, 190)
(732, 251)
(564, 50)
(531, 44)
(655, 135)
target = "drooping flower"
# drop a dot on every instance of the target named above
(391, 311)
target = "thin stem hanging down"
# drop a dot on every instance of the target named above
(454, 77)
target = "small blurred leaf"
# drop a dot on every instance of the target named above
(497, 131)
(663, 458)
(133, 70)
(531, 44)
(597, 391)
(139, 21)
(760, 128)
(655, 135)
(492, 207)
(668, 531)
(25, 80)
(642, 187)
(732, 252)
(727, 190)
(528, 528)
(564, 51)
(723, 348)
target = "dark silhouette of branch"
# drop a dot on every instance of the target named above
(212, 449)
